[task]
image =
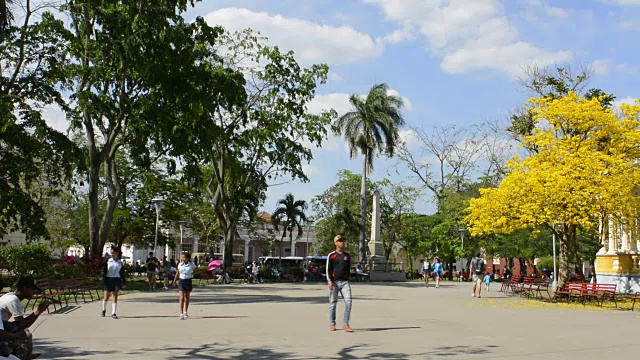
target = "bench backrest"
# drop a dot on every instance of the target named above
(605, 287)
(44, 284)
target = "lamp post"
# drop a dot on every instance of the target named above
(462, 230)
(179, 252)
(158, 204)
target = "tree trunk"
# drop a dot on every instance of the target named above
(523, 267)
(94, 202)
(363, 212)
(592, 270)
(565, 244)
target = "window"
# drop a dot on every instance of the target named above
(187, 248)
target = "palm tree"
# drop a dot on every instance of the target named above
(290, 213)
(370, 128)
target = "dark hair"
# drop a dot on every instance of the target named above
(187, 254)
(477, 253)
(119, 252)
(150, 253)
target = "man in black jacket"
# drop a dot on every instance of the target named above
(338, 270)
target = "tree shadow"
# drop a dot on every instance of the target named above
(388, 328)
(222, 299)
(175, 317)
(59, 350)
(215, 351)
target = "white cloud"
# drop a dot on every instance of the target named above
(311, 42)
(601, 66)
(627, 100)
(335, 77)
(409, 137)
(556, 12)
(469, 35)
(310, 170)
(605, 66)
(398, 36)
(621, 2)
(55, 117)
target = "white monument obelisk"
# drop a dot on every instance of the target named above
(375, 244)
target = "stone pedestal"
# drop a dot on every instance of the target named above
(622, 269)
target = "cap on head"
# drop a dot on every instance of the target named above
(338, 238)
(26, 282)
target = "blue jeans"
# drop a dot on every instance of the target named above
(343, 288)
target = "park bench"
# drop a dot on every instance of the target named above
(600, 293)
(523, 287)
(507, 284)
(541, 285)
(569, 290)
(49, 292)
(205, 277)
(635, 298)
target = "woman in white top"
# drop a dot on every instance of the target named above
(426, 271)
(185, 284)
(113, 281)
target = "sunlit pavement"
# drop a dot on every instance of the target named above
(290, 321)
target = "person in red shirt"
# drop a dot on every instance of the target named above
(338, 270)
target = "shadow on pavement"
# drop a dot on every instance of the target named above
(222, 299)
(55, 350)
(388, 328)
(58, 350)
(175, 317)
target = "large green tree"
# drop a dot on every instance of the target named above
(139, 76)
(263, 139)
(370, 128)
(290, 215)
(30, 149)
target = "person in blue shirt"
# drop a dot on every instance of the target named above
(438, 271)
(184, 276)
(487, 281)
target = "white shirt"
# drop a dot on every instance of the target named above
(113, 268)
(425, 265)
(10, 306)
(186, 270)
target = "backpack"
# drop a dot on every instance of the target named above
(478, 266)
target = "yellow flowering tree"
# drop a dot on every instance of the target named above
(583, 166)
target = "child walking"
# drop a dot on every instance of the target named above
(185, 283)
(487, 281)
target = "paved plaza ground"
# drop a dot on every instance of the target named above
(290, 321)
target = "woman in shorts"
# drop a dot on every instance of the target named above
(185, 283)
(113, 281)
(426, 271)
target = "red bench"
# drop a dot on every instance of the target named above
(570, 289)
(506, 285)
(635, 297)
(600, 293)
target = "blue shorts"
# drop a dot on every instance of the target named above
(185, 285)
(112, 284)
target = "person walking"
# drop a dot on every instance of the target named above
(477, 269)
(152, 266)
(487, 281)
(438, 269)
(426, 271)
(185, 284)
(338, 270)
(113, 280)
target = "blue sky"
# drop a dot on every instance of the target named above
(455, 61)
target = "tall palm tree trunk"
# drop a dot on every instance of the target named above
(293, 253)
(281, 240)
(363, 212)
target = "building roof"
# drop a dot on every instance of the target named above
(264, 216)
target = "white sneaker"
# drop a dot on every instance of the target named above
(473, 295)
(182, 317)
(186, 316)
